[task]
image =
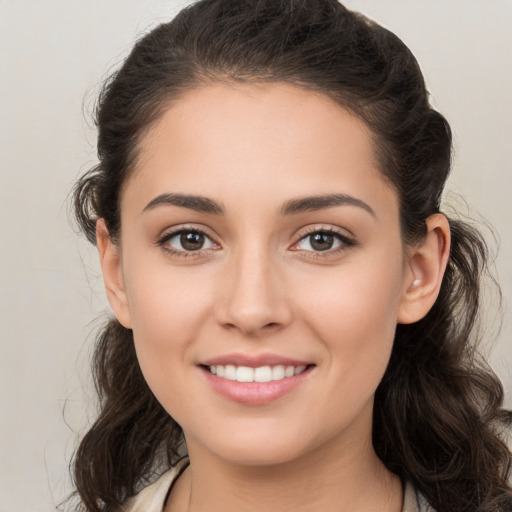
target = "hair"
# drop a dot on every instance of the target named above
(438, 416)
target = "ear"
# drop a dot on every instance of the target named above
(112, 270)
(426, 266)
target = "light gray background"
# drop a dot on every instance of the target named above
(53, 55)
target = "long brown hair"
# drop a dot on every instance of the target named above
(438, 411)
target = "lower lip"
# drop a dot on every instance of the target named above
(255, 393)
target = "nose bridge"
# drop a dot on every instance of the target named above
(254, 298)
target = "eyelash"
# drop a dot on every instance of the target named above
(161, 242)
(346, 242)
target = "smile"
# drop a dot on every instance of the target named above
(259, 374)
(256, 380)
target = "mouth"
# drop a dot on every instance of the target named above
(256, 381)
(259, 374)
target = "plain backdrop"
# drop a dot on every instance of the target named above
(53, 55)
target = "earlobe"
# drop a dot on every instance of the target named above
(111, 268)
(426, 266)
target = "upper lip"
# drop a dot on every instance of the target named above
(254, 361)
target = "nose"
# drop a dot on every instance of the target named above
(254, 298)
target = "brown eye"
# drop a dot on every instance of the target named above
(187, 241)
(192, 240)
(321, 241)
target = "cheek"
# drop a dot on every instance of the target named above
(165, 299)
(362, 294)
(353, 311)
(167, 308)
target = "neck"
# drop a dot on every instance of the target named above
(332, 479)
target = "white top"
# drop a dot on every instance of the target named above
(153, 497)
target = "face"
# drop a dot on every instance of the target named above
(262, 271)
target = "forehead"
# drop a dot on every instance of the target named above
(244, 142)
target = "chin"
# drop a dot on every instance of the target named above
(253, 447)
(258, 456)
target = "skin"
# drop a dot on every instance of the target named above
(259, 287)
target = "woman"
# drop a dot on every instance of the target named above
(293, 311)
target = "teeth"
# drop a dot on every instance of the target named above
(299, 369)
(230, 372)
(260, 374)
(278, 373)
(244, 374)
(263, 374)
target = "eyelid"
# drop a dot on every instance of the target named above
(346, 240)
(172, 232)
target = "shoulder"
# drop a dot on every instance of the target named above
(152, 498)
(414, 501)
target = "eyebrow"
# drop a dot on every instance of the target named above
(315, 203)
(197, 203)
(292, 207)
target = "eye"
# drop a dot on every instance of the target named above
(323, 240)
(186, 240)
